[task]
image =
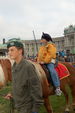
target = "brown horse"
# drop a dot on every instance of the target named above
(47, 90)
(5, 72)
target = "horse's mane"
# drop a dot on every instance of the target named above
(38, 68)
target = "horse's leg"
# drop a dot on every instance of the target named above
(64, 90)
(72, 86)
(47, 105)
(1, 84)
(46, 92)
(73, 97)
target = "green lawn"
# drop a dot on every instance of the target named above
(58, 103)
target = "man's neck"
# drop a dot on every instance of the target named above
(18, 59)
(45, 44)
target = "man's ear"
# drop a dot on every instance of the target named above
(20, 51)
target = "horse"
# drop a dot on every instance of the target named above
(5, 71)
(46, 88)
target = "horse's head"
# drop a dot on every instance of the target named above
(5, 71)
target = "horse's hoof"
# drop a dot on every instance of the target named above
(66, 112)
(73, 106)
(74, 109)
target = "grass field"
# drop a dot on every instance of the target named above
(58, 103)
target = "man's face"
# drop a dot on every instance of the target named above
(14, 53)
(43, 41)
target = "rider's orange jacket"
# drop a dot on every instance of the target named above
(47, 53)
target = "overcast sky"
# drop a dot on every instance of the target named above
(18, 18)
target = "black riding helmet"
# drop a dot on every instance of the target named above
(46, 37)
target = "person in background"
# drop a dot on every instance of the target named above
(26, 86)
(62, 53)
(47, 56)
(62, 56)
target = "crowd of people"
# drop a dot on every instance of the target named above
(65, 57)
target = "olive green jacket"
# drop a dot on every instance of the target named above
(27, 90)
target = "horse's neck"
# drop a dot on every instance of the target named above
(39, 69)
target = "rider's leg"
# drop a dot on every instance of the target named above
(54, 77)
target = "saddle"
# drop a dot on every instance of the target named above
(47, 74)
(60, 69)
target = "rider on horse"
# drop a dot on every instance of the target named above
(47, 56)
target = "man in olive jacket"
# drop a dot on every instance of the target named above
(27, 90)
